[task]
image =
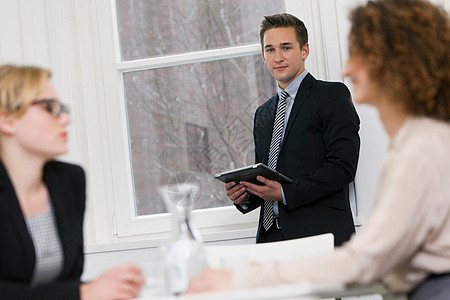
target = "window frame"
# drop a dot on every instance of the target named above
(214, 223)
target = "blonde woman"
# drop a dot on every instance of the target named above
(42, 200)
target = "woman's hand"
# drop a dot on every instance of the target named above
(211, 280)
(122, 282)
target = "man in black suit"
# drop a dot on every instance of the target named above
(319, 146)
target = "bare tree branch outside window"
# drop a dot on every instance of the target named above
(195, 118)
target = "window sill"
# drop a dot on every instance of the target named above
(209, 237)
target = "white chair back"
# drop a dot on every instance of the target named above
(233, 256)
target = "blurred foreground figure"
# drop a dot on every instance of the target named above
(42, 200)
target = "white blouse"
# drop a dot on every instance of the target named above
(47, 245)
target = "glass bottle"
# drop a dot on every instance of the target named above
(185, 256)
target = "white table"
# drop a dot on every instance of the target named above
(284, 292)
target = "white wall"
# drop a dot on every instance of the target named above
(62, 35)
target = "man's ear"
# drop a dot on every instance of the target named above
(305, 51)
(262, 53)
(7, 124)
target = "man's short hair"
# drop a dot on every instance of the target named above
(284, 20)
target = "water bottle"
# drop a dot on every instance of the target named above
(185, 256)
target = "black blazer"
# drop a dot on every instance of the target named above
(66, 185)
(320, 152)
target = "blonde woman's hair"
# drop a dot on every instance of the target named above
(19, 86)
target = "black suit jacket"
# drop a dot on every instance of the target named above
(320, 151)
(66, 185)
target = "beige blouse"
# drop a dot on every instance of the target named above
(408, 234)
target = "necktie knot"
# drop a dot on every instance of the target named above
(284, 95)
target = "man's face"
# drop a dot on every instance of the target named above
(283, 56)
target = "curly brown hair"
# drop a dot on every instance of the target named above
(406, 45)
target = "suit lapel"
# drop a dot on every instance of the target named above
(271, 110)
(302, 95)
(10, 204)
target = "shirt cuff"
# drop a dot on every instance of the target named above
(245, 204)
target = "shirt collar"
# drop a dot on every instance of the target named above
(292, 88)
(403, 132)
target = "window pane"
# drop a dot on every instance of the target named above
(154, 28)
(195, 118)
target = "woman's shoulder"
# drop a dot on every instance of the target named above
(63, 179)
(63, 168)
(426, 139)
(427, 131)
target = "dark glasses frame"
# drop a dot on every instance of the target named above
(53, 106)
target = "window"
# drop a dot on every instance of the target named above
(149, 28)
(202, 124)
(192, 79)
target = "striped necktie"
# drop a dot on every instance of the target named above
(273, 154)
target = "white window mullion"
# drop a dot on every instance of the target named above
(189, 58)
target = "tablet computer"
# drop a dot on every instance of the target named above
(249, 174)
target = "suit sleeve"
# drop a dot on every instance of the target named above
(254, 201)
(340, 126)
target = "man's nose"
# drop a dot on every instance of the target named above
(279, 55)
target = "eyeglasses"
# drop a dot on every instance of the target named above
(53, 106)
